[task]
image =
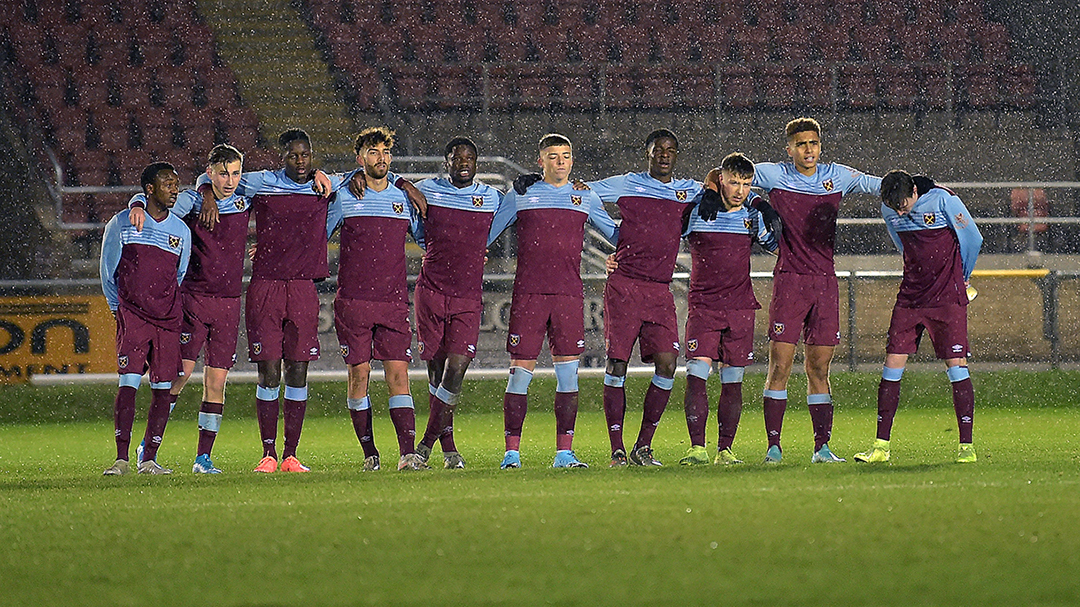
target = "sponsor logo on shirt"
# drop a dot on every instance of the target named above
(240, 204)
(478, 201)
(691, 345)
(344, 350)
(778, 328)
(256, 348)
(122, 361)
(680, 195)
(399, 207)
(575, 200)
(929, 218)
(828, 185)
(174, 241)
(515, 339)
(185, 338)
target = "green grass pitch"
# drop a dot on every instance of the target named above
(920, 530)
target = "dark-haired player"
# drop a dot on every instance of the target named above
(805, 302)
(940, 243)
(211, 290)
(282, 306)
(548, 297)
(448, 296)
(141, 272)
(371, 310)
(638, 304)
(720, 320)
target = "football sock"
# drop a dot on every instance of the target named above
(656, 400)
(446, 418)
(821, 416)
(515, 406)
(888, 400)
(267, 410)
(566, 407)
(775, 402)
(435, 407)
(156, 419)
(403, 415)
(963, 401)
(209, 424)
(696, 405)
(614, 409)
(360, 412)
(123, 419)
(294, 408)
(728, 412)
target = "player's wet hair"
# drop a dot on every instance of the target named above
(801, 125)
(374, 136)
(554, 139)
(658, 134)
(292, 135)
(223, 154)
(896, 186)
(738, 164)
(456, 141)
(151, 171)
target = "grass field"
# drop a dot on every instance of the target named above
(918, 531)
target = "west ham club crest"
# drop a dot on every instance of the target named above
(575, 200)
(478, 201)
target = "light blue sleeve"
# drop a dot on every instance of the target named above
(505, 216)
(867, 184)
(599, 218)
(334, 215)
(137, 200)
(250, 183)
(337, 180)
(187, 201)
(887, 214)
(416, 227)
(185, 256)
(967, 233)
(767, 175)
(764, 236)
(608, 189)
(110, 259)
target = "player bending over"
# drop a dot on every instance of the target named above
(940, 243)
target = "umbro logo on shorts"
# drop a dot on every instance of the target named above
(344, 350)
(691, 345)
(675, 345)
(478, 201)
(575, 200)
(408, 352)
(515, 339)
(957, 348)
(185, 338)
(471, 348)
(313, 352)
(581, 343)
(256, 348)
(399, 207)
(122, 361)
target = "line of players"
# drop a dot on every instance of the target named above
(164, 321)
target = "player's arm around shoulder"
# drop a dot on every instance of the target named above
(858, 181)
(767, 175)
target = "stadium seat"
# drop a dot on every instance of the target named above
(696, 88)
(715, 43)
(817, 84)
(993, 41)
(1018, 87)
(872, 43)
(534, 88)
(619, 90)
(832, 42)
(776, 86)
(578, 88)
(860, 86)
(899, 86)
(412, 86)
(981, 87)
(753, 45)
(954, 45)
(737, 88)
(456, 88)
(793, 42)
(633, 42)
(657, 88)
(937, 88)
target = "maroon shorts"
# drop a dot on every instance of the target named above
(445, 325)
(141, 345)
(372, 329)
(532, 316)
(213, 322)
(946, 325)
(726, 336)
(639, 309)
(805, 305)
(282, 318)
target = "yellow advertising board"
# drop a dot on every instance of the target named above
(45, 335)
